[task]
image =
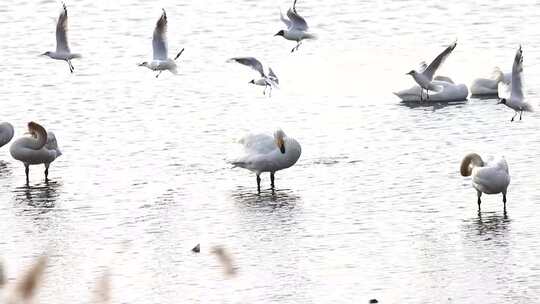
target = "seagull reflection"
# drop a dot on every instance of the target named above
(41, 196)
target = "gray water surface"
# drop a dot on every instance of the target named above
(374, 208)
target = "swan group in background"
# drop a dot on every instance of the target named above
(268, 81)
(424, 77)
(161, 61)
(488, 178)
(490, 86)
(297, 28)
(6, 133)
(62, 47)
(38, 148)
(265, 153)
(512, 95)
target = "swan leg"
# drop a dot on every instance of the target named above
(159, 73)
(258, 183)
(514, 116)
(427, 94)
(520, 113)
(479, 201)
(272, 179)
(504, 201)
(71, 68)
(46, 172)
(27, 171)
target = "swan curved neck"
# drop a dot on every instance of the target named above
(469, 162)
(39, 136)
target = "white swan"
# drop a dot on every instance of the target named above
(161, 60)
(264, 153)
(62, 48)
(6, 133)
(449, 91)
(297, 28)
(424, 77)
(488, 178)
(512, 96)
(489, 86)
(39, 148)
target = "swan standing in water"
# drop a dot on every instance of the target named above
(516, 100)
(488, 178)
(267, 81)
(485, 86)
(424, 77)
(297, 28)
(62, 48)
(6, 133)
(264, 153)
(39, 148)
(161, 61)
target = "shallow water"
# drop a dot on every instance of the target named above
(375, 207)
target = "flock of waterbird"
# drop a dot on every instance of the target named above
(265, 153)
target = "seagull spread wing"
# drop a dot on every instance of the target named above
(61, 32)
(297, 22)
(250, 62)
(287, 22)
(272, 76)
(159, 39)
(438, 61)
(503, 90)
(517, 79)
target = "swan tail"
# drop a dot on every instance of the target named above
(470, 161)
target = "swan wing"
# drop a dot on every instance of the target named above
(159, 39)
(258, 144)
(517, 78)
(491, 179)
(438, 61)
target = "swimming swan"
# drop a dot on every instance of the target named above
(264, 153)
(38, 148)
(489, 86)
(488, 178)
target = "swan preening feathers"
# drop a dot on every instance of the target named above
(40, 147)
(265, 153)
(62, 47)
(490, 86)
(488, 178)
(161, 61)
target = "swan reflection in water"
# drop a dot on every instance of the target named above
(432, 104)
(488, 226)
(271, 200)
(5, 169)
(41, 196)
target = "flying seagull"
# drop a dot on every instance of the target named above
(161, 61)
(268, 81)
(62, 48)
(297, 28)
